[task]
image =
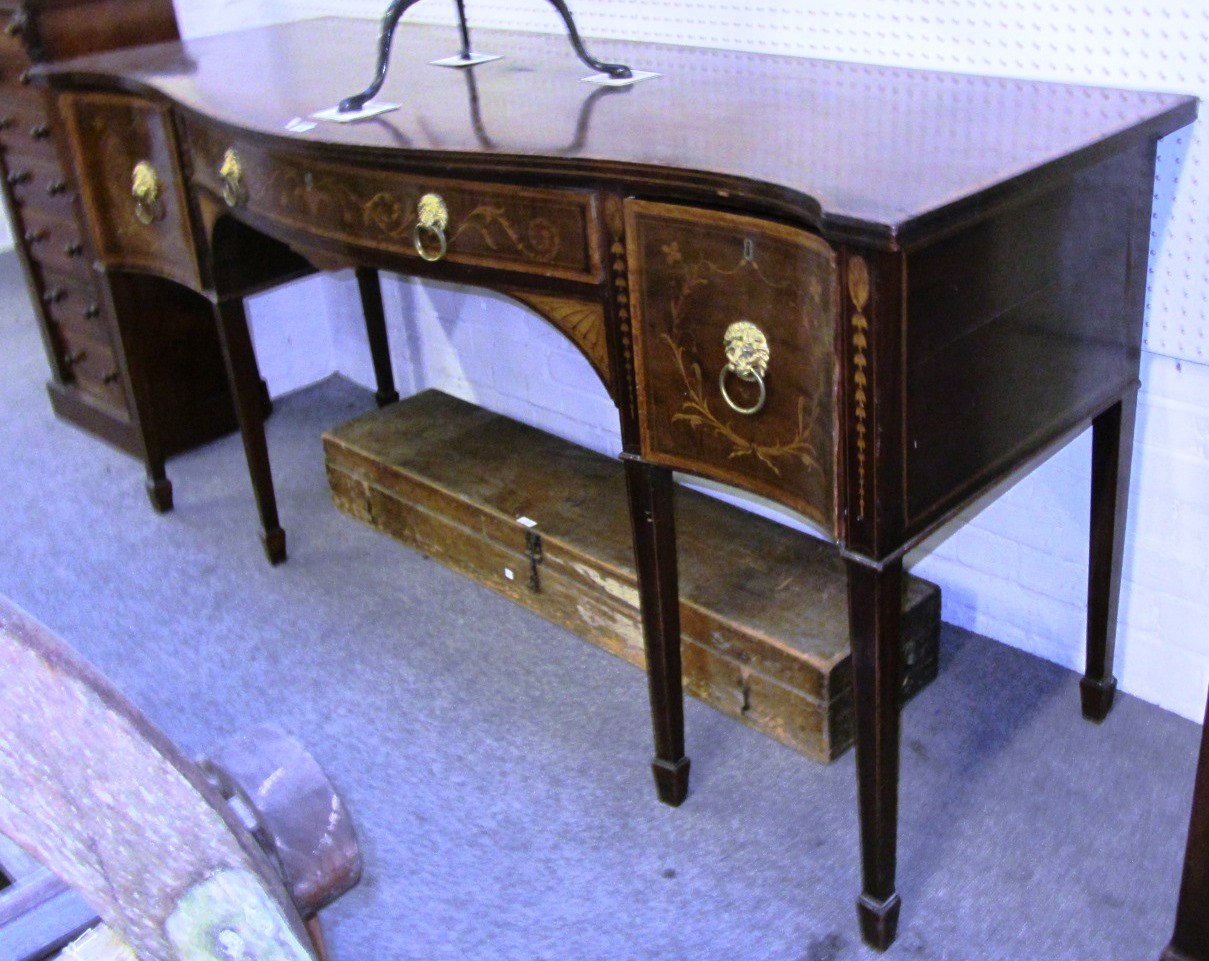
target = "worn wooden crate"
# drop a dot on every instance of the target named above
(763, 608)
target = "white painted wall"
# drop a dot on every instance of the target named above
(6, 230)
(1017, 571)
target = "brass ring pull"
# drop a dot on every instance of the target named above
(433, 218)
(145, 188)
(747, 357)
(234, 187)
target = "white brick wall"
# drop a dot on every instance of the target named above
(1017, 570)
(484, 348)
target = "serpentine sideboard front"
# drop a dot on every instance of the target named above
(870, 294)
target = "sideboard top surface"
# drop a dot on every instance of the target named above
(880, 153)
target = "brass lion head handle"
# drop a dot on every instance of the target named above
(747, 357)
(145, 189)
(234, 186)
(432, 217)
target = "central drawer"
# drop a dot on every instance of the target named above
(533, 230)
(734, 322)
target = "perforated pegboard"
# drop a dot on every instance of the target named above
(1151, 44)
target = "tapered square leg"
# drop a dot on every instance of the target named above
(125, 299)
(375, 328)
(244, 377)
(879, 920)
(653, 523)
(671, 780)
(1112, 455)
(874, 618)
(314, 928)
(159, 491)
(1190, 940)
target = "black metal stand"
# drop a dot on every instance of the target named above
(398, 7)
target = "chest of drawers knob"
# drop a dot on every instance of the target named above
(73, 249)
(36, 236)
(18, 23)
(53, 296)
(40, 132)
(19, 177)
(56, 187)
(6, 123)
(92, 311)
(24, 78)
(111, 377)
(75, 357)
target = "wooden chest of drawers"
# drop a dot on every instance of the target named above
(40, 195)
(95, 365)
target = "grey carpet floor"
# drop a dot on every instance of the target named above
(497, 767)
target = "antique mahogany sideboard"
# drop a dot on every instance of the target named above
(870, 294)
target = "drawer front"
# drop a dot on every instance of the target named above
(127, 146)
(25, 128)
(551, 233)
(38, 182)
(91, 365)
(12, 49)
(52, 240)
(71, 302)
(15, 79)
(693, 276)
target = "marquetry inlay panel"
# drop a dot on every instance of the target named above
(550, 233)
(693, 275)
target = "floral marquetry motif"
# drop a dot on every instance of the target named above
(534, 230)
(734, 329)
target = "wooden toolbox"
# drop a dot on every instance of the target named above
(763, 608)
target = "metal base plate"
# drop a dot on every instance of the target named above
(457, 60)
(606, 81)
(371, 109)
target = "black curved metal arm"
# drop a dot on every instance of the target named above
(398, 7)
(617, 70)
(391, 20)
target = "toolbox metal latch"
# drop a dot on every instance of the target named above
(533, 551)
